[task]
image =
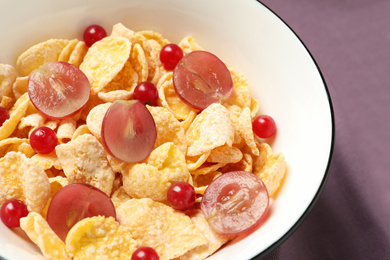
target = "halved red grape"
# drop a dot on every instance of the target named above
(75, 202)
(201, 78)
(170, 55)
(128, 131)
(235, 202)
(43, 140)
(58, 89)
(93, 33)
(181, 195)
(4, 115)
(12, 211)
(147, 93)
(264, 126)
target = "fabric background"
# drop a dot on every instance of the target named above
(350, 41)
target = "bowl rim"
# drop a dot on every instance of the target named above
(304, 215)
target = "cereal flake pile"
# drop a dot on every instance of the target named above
(192, 146)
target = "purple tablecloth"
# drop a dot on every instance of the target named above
(350, 41)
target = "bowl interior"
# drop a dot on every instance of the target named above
(247, 36)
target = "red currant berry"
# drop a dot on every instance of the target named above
(145, 253)
(93, 33)
(4, 115)
(264, 126)
(147, 93)
(181, 195)
(170, 55)
(43, 140)
(12, 211)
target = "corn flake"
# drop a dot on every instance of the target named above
(16, 114)
(20, 86)
(104, 60)
(99, 238)
(66, 129)
(214, 239)
(171, 233)
(39, 54)
(84, 160)
(39, 231)
(210, 129)
(7, 78)
(78, 53)
(270, 167)
(169, 99)
(95, 119)
(152, 179)
(67, 50)
(189, 44)
(21, 178)
(169, 129)
(225, 154)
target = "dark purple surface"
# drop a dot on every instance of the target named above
(350, 41)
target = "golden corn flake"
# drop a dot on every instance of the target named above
(241, 94)
(169, 99)
(31, 122)
(104, 60)
(210, 129)
(99, 238)
(47, 161)
(84, 160)
(66, 129)
(78, 53)
(67, 50)
(20, 86)
(112, 96)
(225, 154)
(16, 114)
(95, 119)
(244, 128)
(120, 30)
(21, 178)
(202, 181)
(245, 164)
(195, 162)
(169, 129)
(188, 44)
(207, 168)
(270, 167)
(139, 62)
(39, 54)
(170, 232)
(39, 231)
(6, 143)
(23, 147)
(214, 239)
(7, 78)
(7, 102)
(82, 129)
(152, 179)
(126, 81)
(119, 196)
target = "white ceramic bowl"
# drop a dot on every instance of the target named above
(249, 37)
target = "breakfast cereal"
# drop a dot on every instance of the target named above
(192, 145)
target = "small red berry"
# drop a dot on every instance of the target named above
(43, 140)
(181, 195)
(264, 126)
(93, 33)
(12, 211)
(147, 93)
(4, 115)
(145, 253)
(170, 56)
